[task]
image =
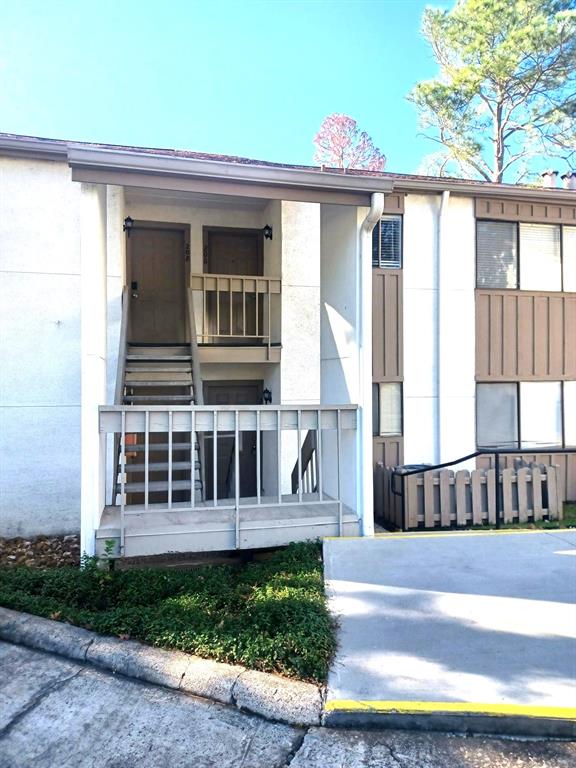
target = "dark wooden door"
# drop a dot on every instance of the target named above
(231, 393)
(231, 251)
(157, 276)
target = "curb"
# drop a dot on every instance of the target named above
(261, 693)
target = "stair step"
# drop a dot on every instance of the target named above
(161, 485)
(160, 447)
(158, 383)
(159, 368)
(154, 466)
(160, 358)
(162, 399)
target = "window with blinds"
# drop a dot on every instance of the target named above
(569, 258)
(496, 254)
(540, 267)
(387, 243)
(526, 414)
(387, 409)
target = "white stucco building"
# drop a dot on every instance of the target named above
(192, 345)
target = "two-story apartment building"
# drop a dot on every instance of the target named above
(209, 353)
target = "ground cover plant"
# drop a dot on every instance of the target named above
(269, 615)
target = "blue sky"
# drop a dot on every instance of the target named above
(251, 77)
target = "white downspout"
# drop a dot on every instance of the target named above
(439, 325)
(364, 486)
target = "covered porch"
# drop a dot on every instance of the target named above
(226, 355)
(305, 478)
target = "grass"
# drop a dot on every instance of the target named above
(269, 615)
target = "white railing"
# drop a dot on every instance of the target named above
(279, 433)
(235, 308)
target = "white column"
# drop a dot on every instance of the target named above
(365, 443)
(93, 358)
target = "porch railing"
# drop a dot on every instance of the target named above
(235, 308)
(279, 433)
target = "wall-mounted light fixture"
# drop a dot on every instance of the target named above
(267, 232)
(128, 225)
(266, 397)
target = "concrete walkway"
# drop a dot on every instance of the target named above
(59, 714)
(454, 623)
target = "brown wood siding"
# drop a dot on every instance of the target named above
(389, 451)
(566, 462)
(394, 203)
(387, 353)
(525, 336)
(509, 210)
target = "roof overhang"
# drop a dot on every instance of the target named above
(189, 174)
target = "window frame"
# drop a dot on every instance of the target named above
(518, 446)
(376, 411)
(517, 224)
(389, 216)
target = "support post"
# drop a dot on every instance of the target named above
(93, 360)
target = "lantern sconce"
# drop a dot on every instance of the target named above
(267, 230)
(128, 225)
(266, 397)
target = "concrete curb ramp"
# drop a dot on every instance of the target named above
(271, 696)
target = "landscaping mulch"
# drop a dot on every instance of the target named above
(40, 551)
(269, 615)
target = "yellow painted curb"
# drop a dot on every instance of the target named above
(442, 534)
(450, 707)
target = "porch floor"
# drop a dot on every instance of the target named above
(209, 528)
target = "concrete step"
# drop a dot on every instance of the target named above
(159, 367)
(158, 383)
(162, 350)
(148, 357)
(161, 447)
(155, 466)
(161, 485)
(161, 399)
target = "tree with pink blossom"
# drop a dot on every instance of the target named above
(341, 144)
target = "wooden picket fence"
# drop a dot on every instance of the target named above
(446, 499)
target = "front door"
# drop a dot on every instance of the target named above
(231, 393)
(157, 277)
(232, 251)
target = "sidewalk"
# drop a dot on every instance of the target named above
(449, 629)
(55, 712)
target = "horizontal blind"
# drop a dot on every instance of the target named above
(496, 254)
(390, 409)
(387, 243)
(569, 258)
(540, 268)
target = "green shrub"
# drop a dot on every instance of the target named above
(268, 615)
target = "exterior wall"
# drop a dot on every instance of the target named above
(525, 336)
(39, 348)
(439, 394)
(340, 375)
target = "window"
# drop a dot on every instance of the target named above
(529, 414)
(570, 413)
(569, 257)
(496, 261)
(532, 257)
(540, 414)
(387, 243)
(387, 409)
(540, 267)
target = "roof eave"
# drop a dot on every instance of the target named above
(105, 159)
